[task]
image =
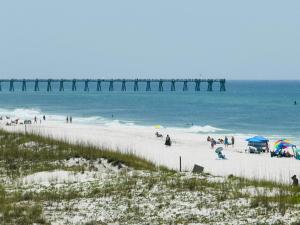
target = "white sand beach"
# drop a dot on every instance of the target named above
(193, 148)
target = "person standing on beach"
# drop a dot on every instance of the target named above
(35, 119)
(44, 117)
(67, 120)
(232, 141)
(168, 141)
(213, 143)
(70, 119)
(226, 141)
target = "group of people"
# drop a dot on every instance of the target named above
(224, 141)
(69, 119)
(36, 119)
(283, 153)
(18, 121)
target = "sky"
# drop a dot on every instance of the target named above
(230, 39)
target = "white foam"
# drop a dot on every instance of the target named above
(198, 129)
(30, 113)
(20, 113)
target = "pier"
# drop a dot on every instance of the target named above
(147, 83)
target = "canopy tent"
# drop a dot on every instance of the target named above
(258, 139)
(258, 144)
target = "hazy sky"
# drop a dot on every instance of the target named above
(251, 39)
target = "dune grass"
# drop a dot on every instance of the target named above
(17, 159)
(24, 154)
(46, 150)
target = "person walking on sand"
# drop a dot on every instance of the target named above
(232, 141)
(168, 141)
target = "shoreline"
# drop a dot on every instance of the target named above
(192, 148)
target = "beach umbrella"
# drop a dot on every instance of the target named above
(218, 150)
(282, 144)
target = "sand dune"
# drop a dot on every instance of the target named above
(193, 148)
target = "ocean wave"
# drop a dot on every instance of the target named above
(30, 113)
(198, 129)
(20, 113)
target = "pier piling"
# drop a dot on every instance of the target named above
(61, 85)
(222, 85)
(124, 82)
(24, 85)
(74, 85)
(98, 85)
(36, 85)
(111, 85)
(160, 86)
(86, 85)
(148, 86)
(136, 85)
(209, 86)
(49, 88)
(185, 87)
(173, 85)
(123, 85)
(11, 85)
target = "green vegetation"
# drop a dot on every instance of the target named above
(146, 193)
(18, 159)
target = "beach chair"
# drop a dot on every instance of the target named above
(252, 149)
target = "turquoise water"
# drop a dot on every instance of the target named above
(260, 107)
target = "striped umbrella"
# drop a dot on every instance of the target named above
(282, 144)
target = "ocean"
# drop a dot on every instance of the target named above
(247, 107)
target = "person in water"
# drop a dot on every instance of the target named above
(295, 102)
(168, 141)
